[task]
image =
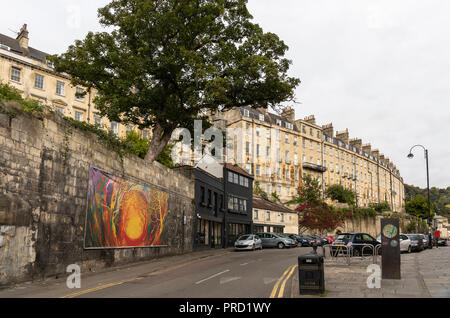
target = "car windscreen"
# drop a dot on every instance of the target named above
(344, 237)
(413, 237)
(245, 238)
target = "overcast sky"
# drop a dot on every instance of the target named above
(379, 68)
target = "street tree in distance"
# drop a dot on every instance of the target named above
(339, 193)
(418, 206)
(165, 62)
(308, 192)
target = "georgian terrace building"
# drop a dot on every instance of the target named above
(279, 150)
(27, 69)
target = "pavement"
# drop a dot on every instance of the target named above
(424, 274)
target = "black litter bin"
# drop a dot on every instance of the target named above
(311, 274)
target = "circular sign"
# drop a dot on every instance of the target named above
(390, 231)
(394, 243)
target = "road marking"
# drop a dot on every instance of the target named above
(155, 273)
(244, 264)
(275, 288)
(226, 280)
(211, 277)
(91, 290)
(281, 293)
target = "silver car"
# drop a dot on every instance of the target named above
(248, 242)
(276, 240)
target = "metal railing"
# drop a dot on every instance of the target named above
(354, 251)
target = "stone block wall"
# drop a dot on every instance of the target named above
(44, 178)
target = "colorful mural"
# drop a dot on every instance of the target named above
(123, 214)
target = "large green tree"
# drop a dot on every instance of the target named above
(418, 206)
(166, 61)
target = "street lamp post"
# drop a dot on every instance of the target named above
(410, 156)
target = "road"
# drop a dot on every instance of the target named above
(252, 274)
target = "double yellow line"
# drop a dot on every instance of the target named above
(282, 282)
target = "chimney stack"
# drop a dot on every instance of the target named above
(367, 148)
(23, 37)
(376, 153)
(328, 130)
(357, 143)
(343, 135)
(288, 113)
(310, 119)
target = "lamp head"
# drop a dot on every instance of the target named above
(410, 156)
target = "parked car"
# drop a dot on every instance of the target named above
(289, 237)
(353, 241)
(275, 240)
(330, 239)
(405, 244)
(248, 242)
(301, 241)
(311, 240)
(442, 242)
(425, 240)
(416, 242)
(320, 240)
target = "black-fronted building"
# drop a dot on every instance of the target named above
(238, 187)
(224, 203)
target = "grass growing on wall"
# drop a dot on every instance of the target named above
(133, 144)
(26, 105)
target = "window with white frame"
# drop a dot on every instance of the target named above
(97, 121)
(78, 116)
(115, 127)
(59, 110)
(16, 74)
(258, 170)
(268, 172)
(38, 81)
(78, 94)
(255, 214)
(60, 86)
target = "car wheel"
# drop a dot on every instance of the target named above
(280, 245)
(409, 249)
(355, 252)
(254, 247)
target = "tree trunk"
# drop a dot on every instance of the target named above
(160, 139)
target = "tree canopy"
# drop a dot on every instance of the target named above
(167, 61)
(339, 193)
(308, 192)
(418, 206)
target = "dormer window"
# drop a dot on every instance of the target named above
(261, 117)
(246, 113)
